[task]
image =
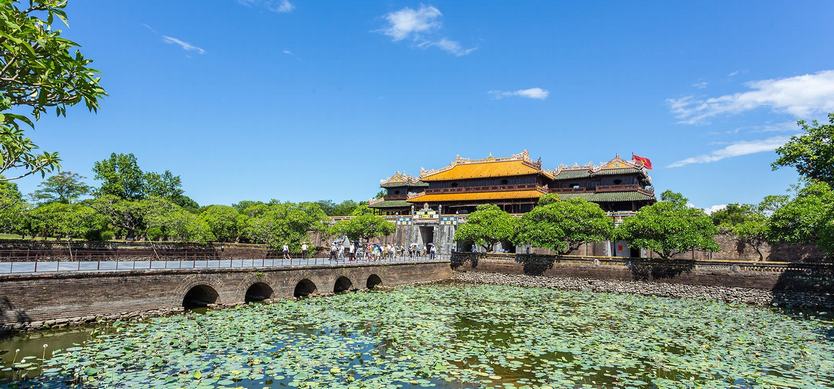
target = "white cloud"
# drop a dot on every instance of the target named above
(420, 26)
(530, 93)
(799, 96)
(449, 46)
(183, 44)
(408, 22)
(279, 6)
(700, 85)
(714, 208)
(735, 149)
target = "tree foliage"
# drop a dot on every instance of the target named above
(808, 218)
(61, 220)
(225, 222)
(363, 227)
(64, 187)
(748, 223)
(669, 227)
(563, 226)
(811, 153)
(487, 226)
(277, 223)
(39, 70)
(120, 176)
(166, 220)
(12, 208)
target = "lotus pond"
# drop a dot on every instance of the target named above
(449, 336)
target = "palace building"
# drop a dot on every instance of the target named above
(515, 184)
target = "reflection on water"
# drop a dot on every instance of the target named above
(450, 336)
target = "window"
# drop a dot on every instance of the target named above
(454, 185)
(504, 182)
(618, 182)
(396, 192)
(574, 186)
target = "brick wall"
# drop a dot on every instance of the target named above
(39, 297)
(783, 276)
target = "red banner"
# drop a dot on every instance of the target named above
(647, 163)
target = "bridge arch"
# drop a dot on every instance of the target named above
(199, 296)
(258, 291)
(342, 284)
(373, 281)
(304, 288)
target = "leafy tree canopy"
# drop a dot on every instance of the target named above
(276, 224)
(808, 218)
(345, 208)
(733, 214)
(549, 198)
(812, 153)
(64, 187)
(225, 222)
(39, 70)
(168, 221)
(563, 226)
(363, 227)
(120, 176)
(669, 227)
(61, 220)
(487, 226)
(12, 208)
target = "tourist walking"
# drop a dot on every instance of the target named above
(432, 251)
(286, 251)
(333, 252)
(351, 252)
(304, 251)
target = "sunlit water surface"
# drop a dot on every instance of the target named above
(448, 336)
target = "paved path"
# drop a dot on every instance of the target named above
(112, 265)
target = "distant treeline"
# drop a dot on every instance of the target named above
(132, 204)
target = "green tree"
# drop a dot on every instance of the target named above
(64, 187)
(669, 227)
(125, 216)
(362, 209)
(225, 222)
(65, 221)
(563, 226)
(363, 227)
(808, 218)
(754, 231)
(747, 223)
(120, 176)
(168, 221)
(12, 208)
(549, 198)
(39, 70)
(812, 153)
(487, 226)
(278, 223)
(732, 214)
(168, 186)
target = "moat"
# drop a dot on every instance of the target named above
(443, 335)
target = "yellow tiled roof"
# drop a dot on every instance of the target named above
(468, 196)
(484, 169)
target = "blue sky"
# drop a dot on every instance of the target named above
(306, 100)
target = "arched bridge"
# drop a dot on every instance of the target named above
(77, 296)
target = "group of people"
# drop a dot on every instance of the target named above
(370, 251)
(377, 251)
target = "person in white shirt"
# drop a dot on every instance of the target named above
(304, 250)
(286, 251)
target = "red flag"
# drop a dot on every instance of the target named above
(647, 163)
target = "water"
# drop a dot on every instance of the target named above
(448, 336)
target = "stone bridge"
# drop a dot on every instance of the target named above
(37, 300)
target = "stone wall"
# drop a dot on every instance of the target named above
(754, 275)
(26, 299)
